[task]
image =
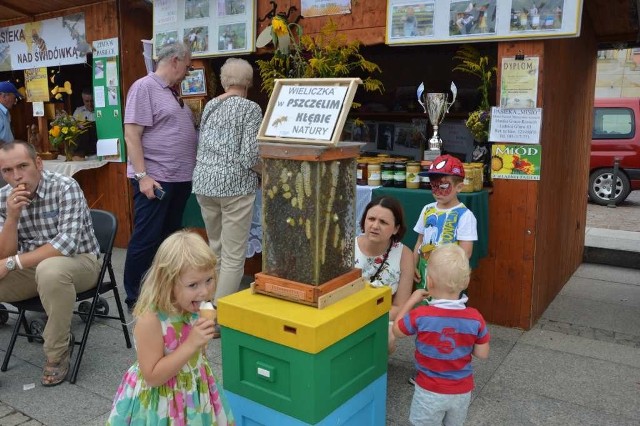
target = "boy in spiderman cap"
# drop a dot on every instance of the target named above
(446, 220)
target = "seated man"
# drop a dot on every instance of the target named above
(86, 142)
(47, 247)
(86, 111)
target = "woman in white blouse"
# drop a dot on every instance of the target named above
(384, 260)
(224, 180)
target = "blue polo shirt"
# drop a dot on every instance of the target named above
(5, 125)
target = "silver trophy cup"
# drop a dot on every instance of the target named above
(436, 105)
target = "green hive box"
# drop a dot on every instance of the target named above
(308, 211)
(302, 385)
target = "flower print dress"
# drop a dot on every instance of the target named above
(389, 272)
(190, 398)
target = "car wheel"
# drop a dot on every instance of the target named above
(600, 187)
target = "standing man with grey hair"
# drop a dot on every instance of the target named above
(161, 143)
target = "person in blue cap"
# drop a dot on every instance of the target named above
(8, 97)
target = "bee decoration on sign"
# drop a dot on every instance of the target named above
(38, 41)
(279, 121)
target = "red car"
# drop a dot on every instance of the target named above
(616, 134)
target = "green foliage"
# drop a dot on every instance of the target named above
(327, 55)
(471, 62)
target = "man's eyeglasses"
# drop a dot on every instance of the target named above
(177, 97)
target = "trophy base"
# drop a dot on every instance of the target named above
(430, 155)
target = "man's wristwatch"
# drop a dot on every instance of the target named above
(140, 176)
(10, 263)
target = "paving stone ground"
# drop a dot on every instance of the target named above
(625, 217)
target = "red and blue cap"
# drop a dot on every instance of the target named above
(445, 165)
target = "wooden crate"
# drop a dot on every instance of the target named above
(318, 296)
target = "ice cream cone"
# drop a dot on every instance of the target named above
(208, 314)
(207, 311)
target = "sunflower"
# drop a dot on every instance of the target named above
(279, 26)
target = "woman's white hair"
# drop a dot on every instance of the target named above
(236, 72)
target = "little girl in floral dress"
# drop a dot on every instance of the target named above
(172, 382)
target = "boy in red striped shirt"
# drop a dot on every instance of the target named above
(447, 334)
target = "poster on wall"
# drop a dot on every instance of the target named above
(325, 7)
(106, 95)
(515, 125)
(49, 43)
(521, 162)
(519, 82)
(36, 85)
(210, 27)
(461, 21)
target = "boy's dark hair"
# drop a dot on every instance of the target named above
(398, 214)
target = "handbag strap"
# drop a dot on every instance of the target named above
(373, 277)
(212, 110)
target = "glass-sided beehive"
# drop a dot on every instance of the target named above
(308, 211)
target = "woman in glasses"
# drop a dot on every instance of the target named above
(226, 175)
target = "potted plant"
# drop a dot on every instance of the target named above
(471, 62)
(64, 131)
(325, 55)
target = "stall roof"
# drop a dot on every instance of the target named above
(616, 22)
(29, 10)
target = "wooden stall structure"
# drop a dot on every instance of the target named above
(537, 228)
(536, 235)
(130, 21)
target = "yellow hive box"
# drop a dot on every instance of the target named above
(298, 326)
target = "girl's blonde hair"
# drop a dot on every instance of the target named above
(180, 252)
(449, 267)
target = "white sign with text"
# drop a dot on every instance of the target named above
(515, 125)
(306, 112)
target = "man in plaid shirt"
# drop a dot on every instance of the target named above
(47, 247)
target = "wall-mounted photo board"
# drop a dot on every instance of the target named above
(107, 100)
(211, 27)
(308, 110)
(462, 21)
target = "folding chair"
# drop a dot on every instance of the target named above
(105, 226)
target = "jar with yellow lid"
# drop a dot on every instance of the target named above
(478, 183)
(373, 173)
(425, 182)
(469, 178)
(413, 179)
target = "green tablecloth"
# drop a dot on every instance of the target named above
(192, 217)
(413, 200)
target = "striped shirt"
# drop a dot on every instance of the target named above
(228, 148)
(444, 344)
(169, 137)
(58, 214)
